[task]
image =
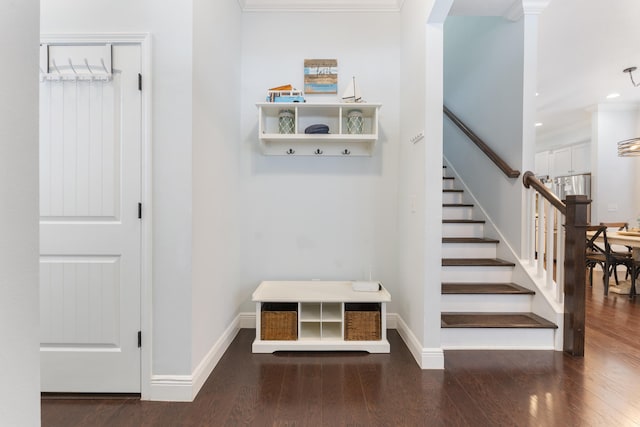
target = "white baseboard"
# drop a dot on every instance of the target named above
(427, 358)
(184, 388)
(171, 388)
(247, 320)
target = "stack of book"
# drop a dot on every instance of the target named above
(286, 93)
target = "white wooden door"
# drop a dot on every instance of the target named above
(90, 187)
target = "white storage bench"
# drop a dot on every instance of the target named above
(319, 316)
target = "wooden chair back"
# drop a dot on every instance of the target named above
(621, 226)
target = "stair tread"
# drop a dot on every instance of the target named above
(495, 320)
(469, 240)
(476, 262)
(463, 221)
(457, 205)
(485, 288)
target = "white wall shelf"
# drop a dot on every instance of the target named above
(339, 142)
(320, 314)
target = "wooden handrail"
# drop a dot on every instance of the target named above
(495, 158)
(529, 180)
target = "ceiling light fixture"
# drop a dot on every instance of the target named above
(613, 95)
(629, 147)
(538, 124)
(630, 70)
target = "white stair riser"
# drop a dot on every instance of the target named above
(497, 338)
(463, 230)
(486, 303)
(468, 250)
(451, 197)
(448, 184)
(476, 274)
(462, 212)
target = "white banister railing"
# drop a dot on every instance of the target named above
(546, 243)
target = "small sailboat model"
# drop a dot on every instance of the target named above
(352, 93)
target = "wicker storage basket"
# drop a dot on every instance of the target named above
(362, 322)
(279, 322)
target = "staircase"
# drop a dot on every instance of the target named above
(481, 307)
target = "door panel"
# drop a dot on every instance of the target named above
(80, 167)
(90, 148)
(79, 301)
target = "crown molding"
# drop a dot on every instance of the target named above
(321, 5)
(525, 7)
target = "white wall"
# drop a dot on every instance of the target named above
(420, 178)
(433, 357)
(216, 150)
(319, 217)
(483, 86)
(411, 286)
(19, 330)
(171, 27)
(615, 184)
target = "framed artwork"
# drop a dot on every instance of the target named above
(321, 76)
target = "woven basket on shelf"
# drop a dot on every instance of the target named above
(362, 323)
(278, 322)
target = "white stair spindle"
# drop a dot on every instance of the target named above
(550, 224)
(540, 230)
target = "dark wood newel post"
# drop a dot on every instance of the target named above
(574, 279)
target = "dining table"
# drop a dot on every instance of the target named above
(626, 238)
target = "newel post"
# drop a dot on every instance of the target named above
(574, 279)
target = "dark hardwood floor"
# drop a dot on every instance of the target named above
(477, 388)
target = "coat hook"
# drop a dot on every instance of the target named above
(104, 67)
(291, 151)
(86, 62)
(53, 62)
(318, 151)
(72, 67)
(346, 152)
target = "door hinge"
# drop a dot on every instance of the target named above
(139, 210)
(139, 81)
(139, 339)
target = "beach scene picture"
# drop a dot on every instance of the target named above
(321, 76)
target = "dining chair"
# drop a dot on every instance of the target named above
(618, 249)
(635, 273)
(601, 254)
(596, 255)
(621, 226)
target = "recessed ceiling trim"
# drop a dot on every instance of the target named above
(608, 107)
(321, 5)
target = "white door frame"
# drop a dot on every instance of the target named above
(146, 276)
